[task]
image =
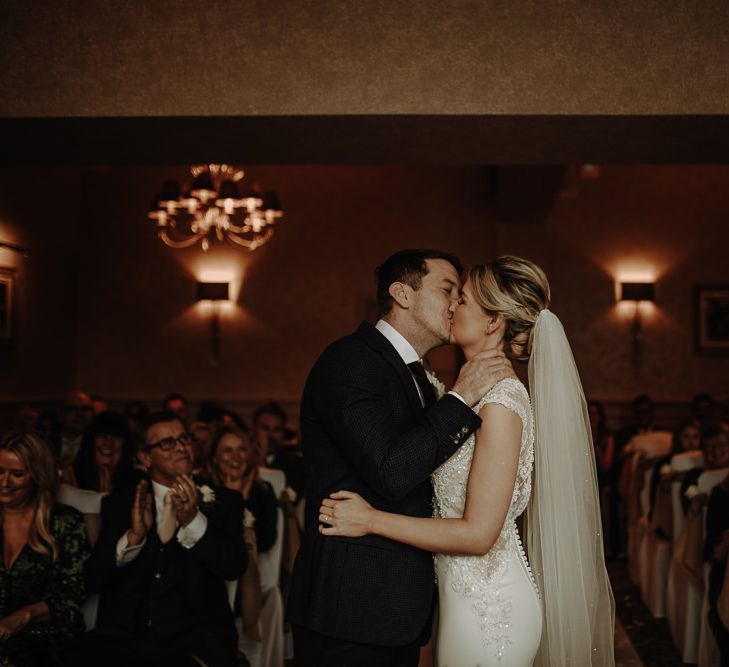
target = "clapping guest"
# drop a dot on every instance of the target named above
(166, 549)
(44, 548)
(234, 465)
(105, 459)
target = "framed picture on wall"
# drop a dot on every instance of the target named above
(711, 327)
(6, 302)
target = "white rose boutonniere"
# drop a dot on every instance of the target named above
(437, 384)
(207, 494)
(291, 495)
(692, 492)
(248, 519)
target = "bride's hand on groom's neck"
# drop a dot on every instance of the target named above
(480, 373)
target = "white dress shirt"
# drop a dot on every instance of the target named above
(188, 536)
(406, 351)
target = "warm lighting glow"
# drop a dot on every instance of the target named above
(213, 209)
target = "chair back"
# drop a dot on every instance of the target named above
(269, 563)
(687, 460)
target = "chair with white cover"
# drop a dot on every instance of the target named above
(89, 504)
(686, 574)
(645, 448)
(269, 652)
(709, 655)
(663, 531)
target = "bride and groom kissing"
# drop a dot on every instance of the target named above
(409, 492)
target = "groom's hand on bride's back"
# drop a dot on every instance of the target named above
(481, 373)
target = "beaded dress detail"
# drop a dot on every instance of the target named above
(486, 583)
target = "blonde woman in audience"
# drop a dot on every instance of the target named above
(233, 464)
(44, 549)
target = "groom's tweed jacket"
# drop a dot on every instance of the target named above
(364, 429)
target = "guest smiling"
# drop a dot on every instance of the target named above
(44, 549)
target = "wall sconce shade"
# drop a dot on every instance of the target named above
(212, 292)
(637, 292)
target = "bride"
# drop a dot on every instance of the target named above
(528, 455)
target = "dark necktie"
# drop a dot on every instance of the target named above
(426, 389)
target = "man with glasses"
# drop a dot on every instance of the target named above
(165, 551)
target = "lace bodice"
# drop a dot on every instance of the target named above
(478, 577)
(451, 479)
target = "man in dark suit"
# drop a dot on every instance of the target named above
(161, 563)
(371, 423)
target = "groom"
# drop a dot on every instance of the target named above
(371, 423)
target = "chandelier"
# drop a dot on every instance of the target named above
(214, 208)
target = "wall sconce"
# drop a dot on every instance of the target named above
(637, 292)
(214, 293)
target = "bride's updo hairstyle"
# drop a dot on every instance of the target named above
(519, 290)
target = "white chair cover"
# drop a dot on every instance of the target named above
(708, 650)
(269, 652)
(659, 548)
(89, 504)
(685, 598)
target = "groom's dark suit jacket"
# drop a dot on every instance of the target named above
(169, 591)
(365, 430)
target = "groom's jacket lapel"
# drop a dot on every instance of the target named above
(382, 346)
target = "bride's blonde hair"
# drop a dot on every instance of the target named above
(519, 290)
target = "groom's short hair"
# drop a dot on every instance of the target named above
(409, 267)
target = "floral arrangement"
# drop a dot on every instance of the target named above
(207, 494)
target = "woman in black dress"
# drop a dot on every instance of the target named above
(44, 548)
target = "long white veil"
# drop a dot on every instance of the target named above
(563, 527)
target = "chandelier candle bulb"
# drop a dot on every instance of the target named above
(213, 209)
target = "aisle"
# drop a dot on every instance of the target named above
(638, 636)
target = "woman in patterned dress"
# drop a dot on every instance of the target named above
(492, 611)
(44, 548)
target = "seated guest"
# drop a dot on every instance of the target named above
(165, 551)
(233, 465)
(135, 413)
(99, 404)
(604, 445)
(177, 404)
(686, 438)
(75, 415)
(269, 429)
(705, 412)
(715, 552)
(202, 436)
(105, 459)
(716, 455)
(44, 548)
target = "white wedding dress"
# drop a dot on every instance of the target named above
(490, 612)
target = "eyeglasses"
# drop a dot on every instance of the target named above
(169, 443)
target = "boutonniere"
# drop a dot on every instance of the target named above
(692, 492)
(207, 494)
(437, 384)
(248, 519)
(665, 470)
